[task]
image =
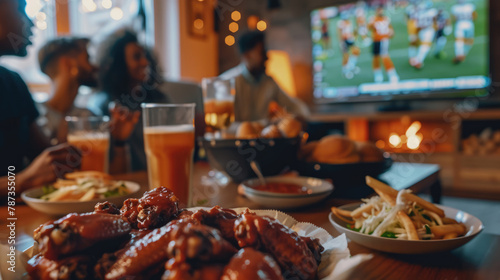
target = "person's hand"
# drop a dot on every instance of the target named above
(122, 122)
(51, 164)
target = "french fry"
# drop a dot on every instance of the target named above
(60, 183)
(87, 174)
(89, 195)
(342, 214)
(447, 221)
(423, 203)
(377, 185)
(386, 197)
(61, 194)
(380, 187)
(345, 213)
(450, 235)
(408, 225)
(441, 231)
(367, 208)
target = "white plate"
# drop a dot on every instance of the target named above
(31, 197)
(320, 190)
(390, 245)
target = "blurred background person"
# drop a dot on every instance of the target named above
(129, 76)
(66, 62)
(25, 150)
(255, 90)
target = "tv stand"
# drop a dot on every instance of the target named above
(394, 106)
(463, 174)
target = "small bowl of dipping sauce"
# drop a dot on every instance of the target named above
(285, 192)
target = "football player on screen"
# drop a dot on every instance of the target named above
(464, 15)
(443, 29)
(426, 32)
(411, 12)
(350, 51)
(360, 13)
(381, 29)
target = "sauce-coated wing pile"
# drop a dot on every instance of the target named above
(151, 238)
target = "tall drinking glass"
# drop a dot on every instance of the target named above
(90, 135)
(218, 97)
(169, 145)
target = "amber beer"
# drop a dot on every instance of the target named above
(94, 147)
(219, 114)
(169, 151)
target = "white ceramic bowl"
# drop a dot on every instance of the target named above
(474, 227)
(320, 189)
(31, 197)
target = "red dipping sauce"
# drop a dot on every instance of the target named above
(277, 187)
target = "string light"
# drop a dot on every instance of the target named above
(235, 16)
(261, 25)
(198, 23)
(107, 4)
(233, 27)
(116, 13)
(229, 40)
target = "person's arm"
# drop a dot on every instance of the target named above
(290, 104)
(122, 124)
(38, 141)
(51, 164)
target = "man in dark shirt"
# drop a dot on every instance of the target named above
(21, 140)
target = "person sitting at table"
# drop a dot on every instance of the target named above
(66, 61)
(129, 76)
(255, 90)
(20, 138)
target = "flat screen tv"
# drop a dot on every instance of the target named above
(400, 49)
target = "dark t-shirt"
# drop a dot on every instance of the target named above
(17, 113)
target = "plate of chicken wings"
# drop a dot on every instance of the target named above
(152, 238)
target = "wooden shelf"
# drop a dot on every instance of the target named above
(471, 175)
(445, 116)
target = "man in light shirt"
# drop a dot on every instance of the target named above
(66, 61)
(254, 89)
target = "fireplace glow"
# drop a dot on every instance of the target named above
(411, 139)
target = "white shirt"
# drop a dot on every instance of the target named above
(253, 96)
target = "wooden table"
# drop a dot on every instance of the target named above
(479, 259)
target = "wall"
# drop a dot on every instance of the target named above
(182, 55)
(199, 56)
(288, 30)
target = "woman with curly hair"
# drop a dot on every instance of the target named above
(127, 76)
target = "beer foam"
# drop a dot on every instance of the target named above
(82, 136)
(169, 129)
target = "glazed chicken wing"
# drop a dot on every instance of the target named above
(285, 245)
(250, 264)
(175, 270)
(71, 268)
(220, 218)
(106, 208)
(75, 233)
(184, 241)
(156, 208)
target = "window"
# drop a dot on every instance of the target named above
(42, 13)
(89, 18)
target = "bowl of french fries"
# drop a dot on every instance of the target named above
(403, 223)
(78, 192)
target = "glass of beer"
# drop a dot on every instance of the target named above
(169, 144)
(90, 135)
(218, 97)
